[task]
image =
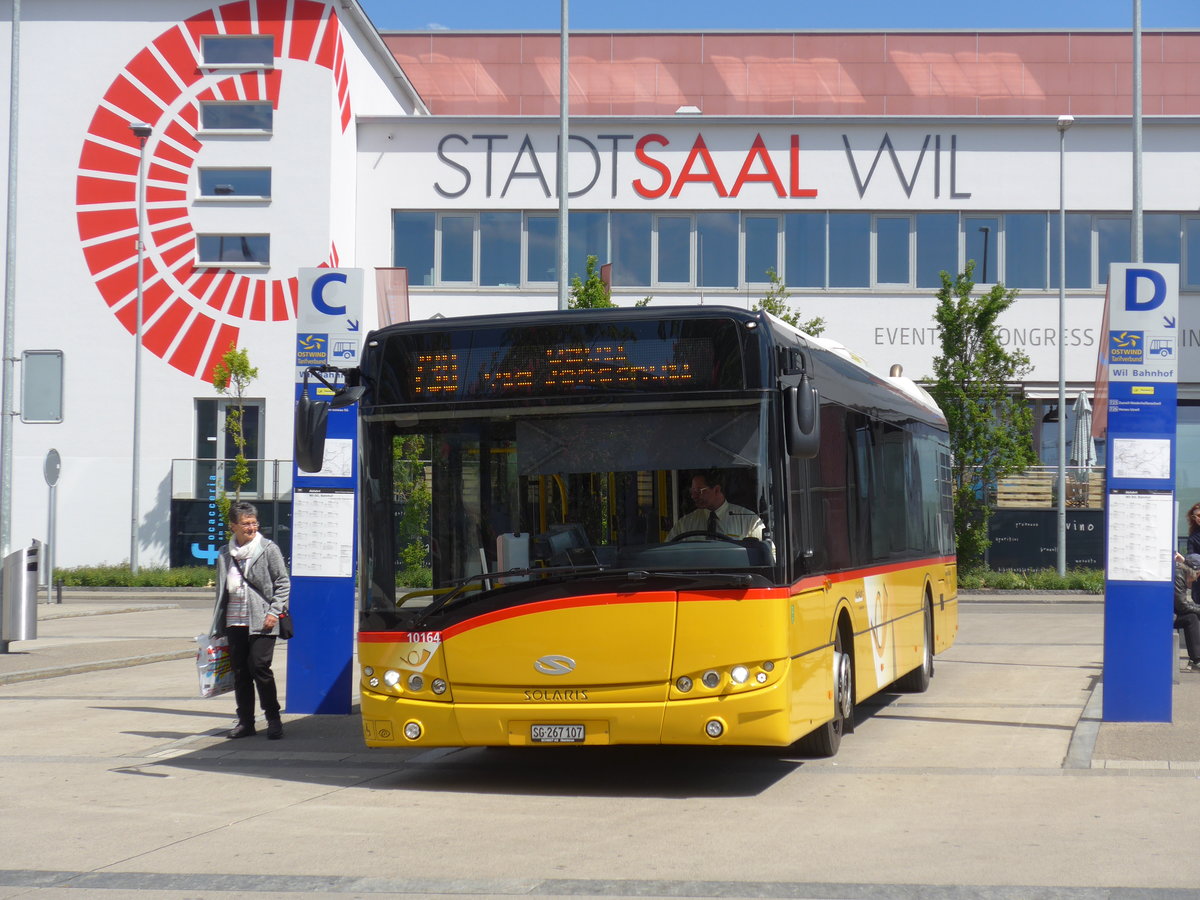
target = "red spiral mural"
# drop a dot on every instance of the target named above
(191, 314)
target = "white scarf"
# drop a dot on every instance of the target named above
(247, 553)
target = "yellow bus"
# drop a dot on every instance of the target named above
(687, 525)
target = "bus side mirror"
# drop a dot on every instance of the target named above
(802, 411)
(312, 417)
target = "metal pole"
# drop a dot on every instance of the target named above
(1137, 132)
(141, 132)
(1064, 122)
(10, 291)
(563, 138)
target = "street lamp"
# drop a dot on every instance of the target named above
(141, 131)
(1064, 122)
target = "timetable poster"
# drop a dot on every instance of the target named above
(323, 533)
(1141, 535)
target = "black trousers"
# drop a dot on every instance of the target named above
(1190, 623)
(251, 656)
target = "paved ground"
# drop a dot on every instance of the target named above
(1000, 782)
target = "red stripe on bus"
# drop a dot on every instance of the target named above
(500, 615)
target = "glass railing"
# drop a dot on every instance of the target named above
(206, 479)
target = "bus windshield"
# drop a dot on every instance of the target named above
(560, 494)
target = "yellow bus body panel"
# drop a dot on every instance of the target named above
(616, 664)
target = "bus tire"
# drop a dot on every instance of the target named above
(917, 681)
(825, 740)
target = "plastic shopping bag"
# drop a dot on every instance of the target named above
(214, 666)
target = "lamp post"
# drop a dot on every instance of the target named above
(141, 131)
(1064, 122)
(564, 103)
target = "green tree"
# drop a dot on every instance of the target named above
(231, 377)
(977, 386)
(775, 301)
(590, 292)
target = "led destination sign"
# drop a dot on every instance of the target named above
(556, 370)
(528, 362)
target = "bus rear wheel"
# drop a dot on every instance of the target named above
(917, 681)
(826, 740)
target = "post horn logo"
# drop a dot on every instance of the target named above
(554, 664)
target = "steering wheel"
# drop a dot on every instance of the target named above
(704, 534)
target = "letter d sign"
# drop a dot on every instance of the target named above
(1131, 290)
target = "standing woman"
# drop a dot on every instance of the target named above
(1193, 523)
(252, 593)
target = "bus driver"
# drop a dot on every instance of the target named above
(714, 514)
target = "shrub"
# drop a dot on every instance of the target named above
(1087, 580)
(122, 576)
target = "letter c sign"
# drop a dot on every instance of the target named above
(318, 294)
(1131, 290)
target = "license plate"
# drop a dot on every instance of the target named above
(556, 734)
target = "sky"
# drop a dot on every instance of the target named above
(692, 15)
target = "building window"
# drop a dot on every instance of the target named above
(1161, 238)
(240, 183)
(1079, 251)
(733, 251)
(241, 50)
(412, 245)
(762, 248)
(849, 250)
(541, 258)
(981, 237)
(457, 235)
(233, 249)
(631, 249)
(1025, 251)
(1114, 243)
(500, 249)
(587, 236)
(937, 248)
(893, 250)
(1191, 266)
(674, 250)
(223, 115)
(717, 249)
(804, 249)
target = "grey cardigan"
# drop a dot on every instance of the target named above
(268, 587)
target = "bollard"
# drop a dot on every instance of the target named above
(58, 590)
(18, 596)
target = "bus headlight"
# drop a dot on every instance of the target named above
(684, 684)
(739, 674)
(711, 678)
(373, 682)
(412, 730)
(415, 682)
(438, 686)
(761, 677)
(391, 678)
(368, 671)
(714, 728)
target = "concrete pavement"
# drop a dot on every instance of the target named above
(1000, 782)
(97, 630)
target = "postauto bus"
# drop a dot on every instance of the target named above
(532, 466)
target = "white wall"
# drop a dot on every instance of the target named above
(72, 51)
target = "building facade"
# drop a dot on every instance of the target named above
(288, 134)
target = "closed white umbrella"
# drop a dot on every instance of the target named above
(1083, 448)
(1083, 451)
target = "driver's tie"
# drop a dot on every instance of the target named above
(712, 521)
